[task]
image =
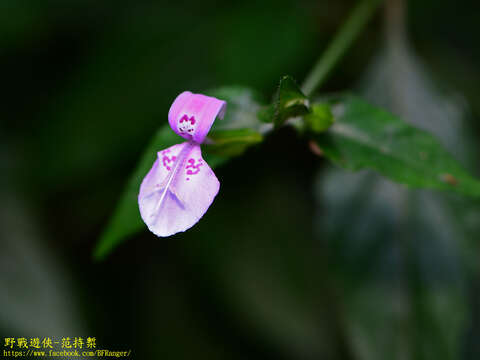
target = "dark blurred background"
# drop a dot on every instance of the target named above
(295, 259)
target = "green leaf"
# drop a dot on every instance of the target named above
(232, 142)
(243, 108)
(364, 136)
(229, 137)
(126, 219)
(319, 119)
(290, 102)
(267, 113)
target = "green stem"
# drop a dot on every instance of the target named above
(339, 45)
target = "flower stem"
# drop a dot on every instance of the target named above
(343, 39)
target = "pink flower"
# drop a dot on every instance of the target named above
(180, 186)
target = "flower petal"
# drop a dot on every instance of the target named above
(192, 115)
(177, 191)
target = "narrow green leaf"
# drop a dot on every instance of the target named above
(230, 137)
(290, 102)
(232, 142)
(126, 219)
(364, 136)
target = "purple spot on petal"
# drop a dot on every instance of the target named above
(191, 165)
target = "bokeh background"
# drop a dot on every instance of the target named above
(295, 259)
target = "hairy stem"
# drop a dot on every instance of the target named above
(342, 40)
